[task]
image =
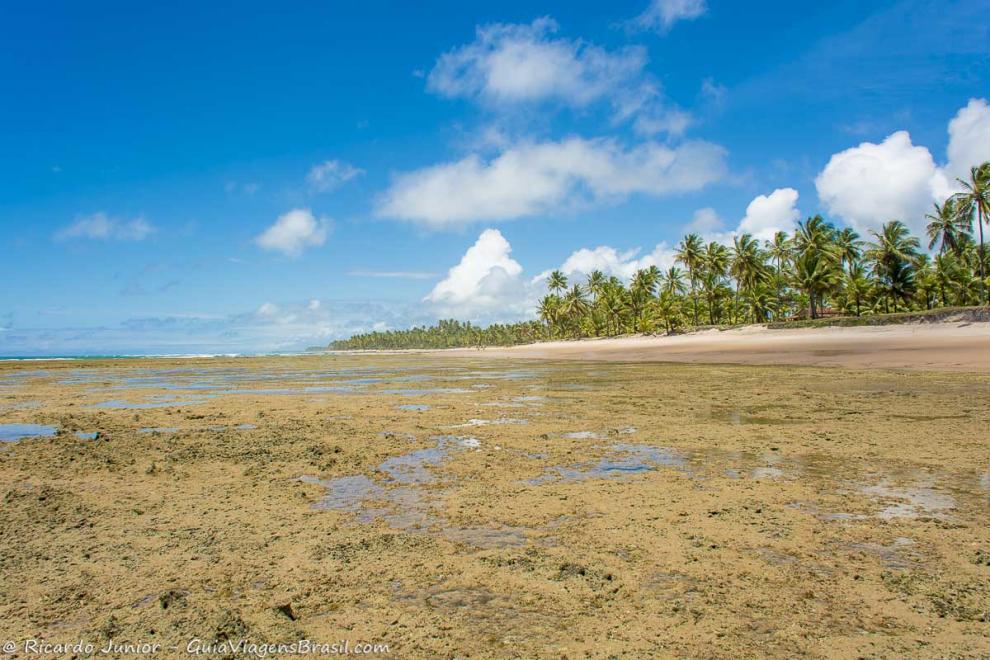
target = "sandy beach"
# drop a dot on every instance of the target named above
(943, 346)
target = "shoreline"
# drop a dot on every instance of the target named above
(940, 346)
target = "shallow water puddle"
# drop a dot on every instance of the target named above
(419, 407)
(408, 391)
(399, 501)
(489, 422)
(621, 459)
(917, 501)
(14, 432)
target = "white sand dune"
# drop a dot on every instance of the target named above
(951, 346)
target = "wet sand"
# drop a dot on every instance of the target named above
(461, 506)
(943, 346)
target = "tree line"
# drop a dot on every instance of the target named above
(818, 270)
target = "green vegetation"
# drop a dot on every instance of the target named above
(809, 278)
(445, 334)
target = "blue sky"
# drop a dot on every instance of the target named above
(201, 177)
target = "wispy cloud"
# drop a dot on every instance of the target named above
(661, 15)
(331, 174)
(101, 227)
(513, 65)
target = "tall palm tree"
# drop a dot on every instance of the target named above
(974, 200)
(746, 264)
(642, 288)
(815, 273)
(557, 282)
(575, 304)
(779, 249)
(596, 280)
(673, 282)
(893, 255)
(856, 286)
(549, 312)
(847, 244)
(947, 227)
(690, 254)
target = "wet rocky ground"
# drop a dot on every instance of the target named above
(463, 507)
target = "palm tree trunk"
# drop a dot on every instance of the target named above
(694, 298)
(983, 275)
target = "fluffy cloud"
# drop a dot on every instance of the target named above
(331, 174)
(101, 227)
(529, 179)
(485, 281)
(662, 14)
(969, 139)
(293, 232)
(612, 262)
(765, 216)
(705, 221)
(512, 64)
(768, 214)
(872, 183)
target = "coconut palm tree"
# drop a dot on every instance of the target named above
(974, 200)
(947, 227)
(549, 311)
(673, 282)
(848, 245)
(667, 308)
(856, 287)
(557, 282)
(815, 273)
(690, 254)
(747, 265)
(596, 280)
(574, 305)
(642, 288)
(779, 250)
(893, 255)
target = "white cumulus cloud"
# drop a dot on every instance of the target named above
(486, 280)
(661, 15)
(331, 174)
(969, 139)
(872, 183)
(765, 216)
(101, 227)
(768, 214)
(513, 64)
(704, 221)
(293, 232)
(532, 178)
(609, 260)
